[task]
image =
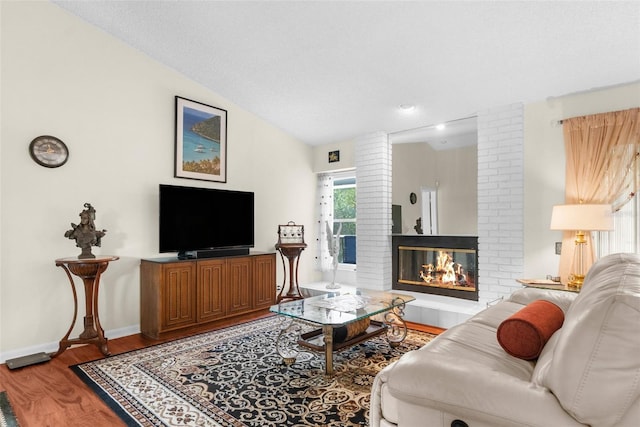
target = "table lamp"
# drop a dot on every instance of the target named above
(581, 218)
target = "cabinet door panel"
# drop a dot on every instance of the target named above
(179, 296)
(237, 287)
(210, 290)
(264, 281)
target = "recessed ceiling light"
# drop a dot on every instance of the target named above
(441, 126)
(407, 108)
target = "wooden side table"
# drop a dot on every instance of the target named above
(292, 251)
(89, 270)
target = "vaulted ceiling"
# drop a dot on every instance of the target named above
(330, 71)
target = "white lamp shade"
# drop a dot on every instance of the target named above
(582, 217)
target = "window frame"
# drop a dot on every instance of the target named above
(349, 175)
(625, 237)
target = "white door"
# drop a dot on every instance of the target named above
(429, 211)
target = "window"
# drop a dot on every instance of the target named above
(344, 216)
(337, 213)
(626, 234)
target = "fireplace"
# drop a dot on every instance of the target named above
(440, 265)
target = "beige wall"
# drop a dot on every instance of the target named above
(457, 181)
(413, 167)
(114, 108)
(321, 157)
(545, 165)
(455, 175)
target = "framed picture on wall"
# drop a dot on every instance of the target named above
(201, 141)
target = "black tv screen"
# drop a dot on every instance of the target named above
(203, 219)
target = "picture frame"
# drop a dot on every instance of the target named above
(334, 156)
(200, 141)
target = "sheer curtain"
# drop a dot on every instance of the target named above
(325, 213)
(625, 236)
(602, 167)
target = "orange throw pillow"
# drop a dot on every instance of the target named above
(526, 331)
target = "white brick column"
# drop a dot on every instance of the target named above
(500, 200)
(373, 187)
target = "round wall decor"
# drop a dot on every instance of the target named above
(48, 151)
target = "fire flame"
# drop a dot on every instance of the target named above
(446, 271)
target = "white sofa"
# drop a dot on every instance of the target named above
(588, 373)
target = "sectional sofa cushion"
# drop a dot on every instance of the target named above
(599, 344)
(525, 333)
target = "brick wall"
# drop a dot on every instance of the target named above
(500, 204)
(373, 187)
(500, 200)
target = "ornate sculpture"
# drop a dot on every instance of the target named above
(418, 226)
(85, 233)
(333, 243)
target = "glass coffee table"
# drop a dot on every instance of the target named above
(339, 319)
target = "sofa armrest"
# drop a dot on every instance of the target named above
(470, 390)
(375, 408)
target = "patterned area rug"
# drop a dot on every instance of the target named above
(7, 417)
(235, 377)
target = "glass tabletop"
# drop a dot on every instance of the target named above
(338, 309)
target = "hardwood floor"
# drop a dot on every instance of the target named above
(51, 395)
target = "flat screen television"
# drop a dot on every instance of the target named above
(205, 222)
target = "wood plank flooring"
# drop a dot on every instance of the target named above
(51, 395)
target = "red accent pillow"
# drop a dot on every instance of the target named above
(526, 331)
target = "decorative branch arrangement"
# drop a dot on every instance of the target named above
(333, 243)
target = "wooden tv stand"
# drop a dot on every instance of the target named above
(178, 294)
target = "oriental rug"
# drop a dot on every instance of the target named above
(234, 377)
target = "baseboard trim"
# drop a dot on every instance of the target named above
(53, 346)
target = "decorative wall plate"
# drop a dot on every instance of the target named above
(48, 151)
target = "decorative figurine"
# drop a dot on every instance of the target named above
(418, 226)
(333, 243)
(85, 233)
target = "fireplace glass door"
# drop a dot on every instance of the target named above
(446, 270)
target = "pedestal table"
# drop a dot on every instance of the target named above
(292, 251)
(89, 270)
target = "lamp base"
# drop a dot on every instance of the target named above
(576, 281)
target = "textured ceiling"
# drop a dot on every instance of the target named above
(330, 71)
